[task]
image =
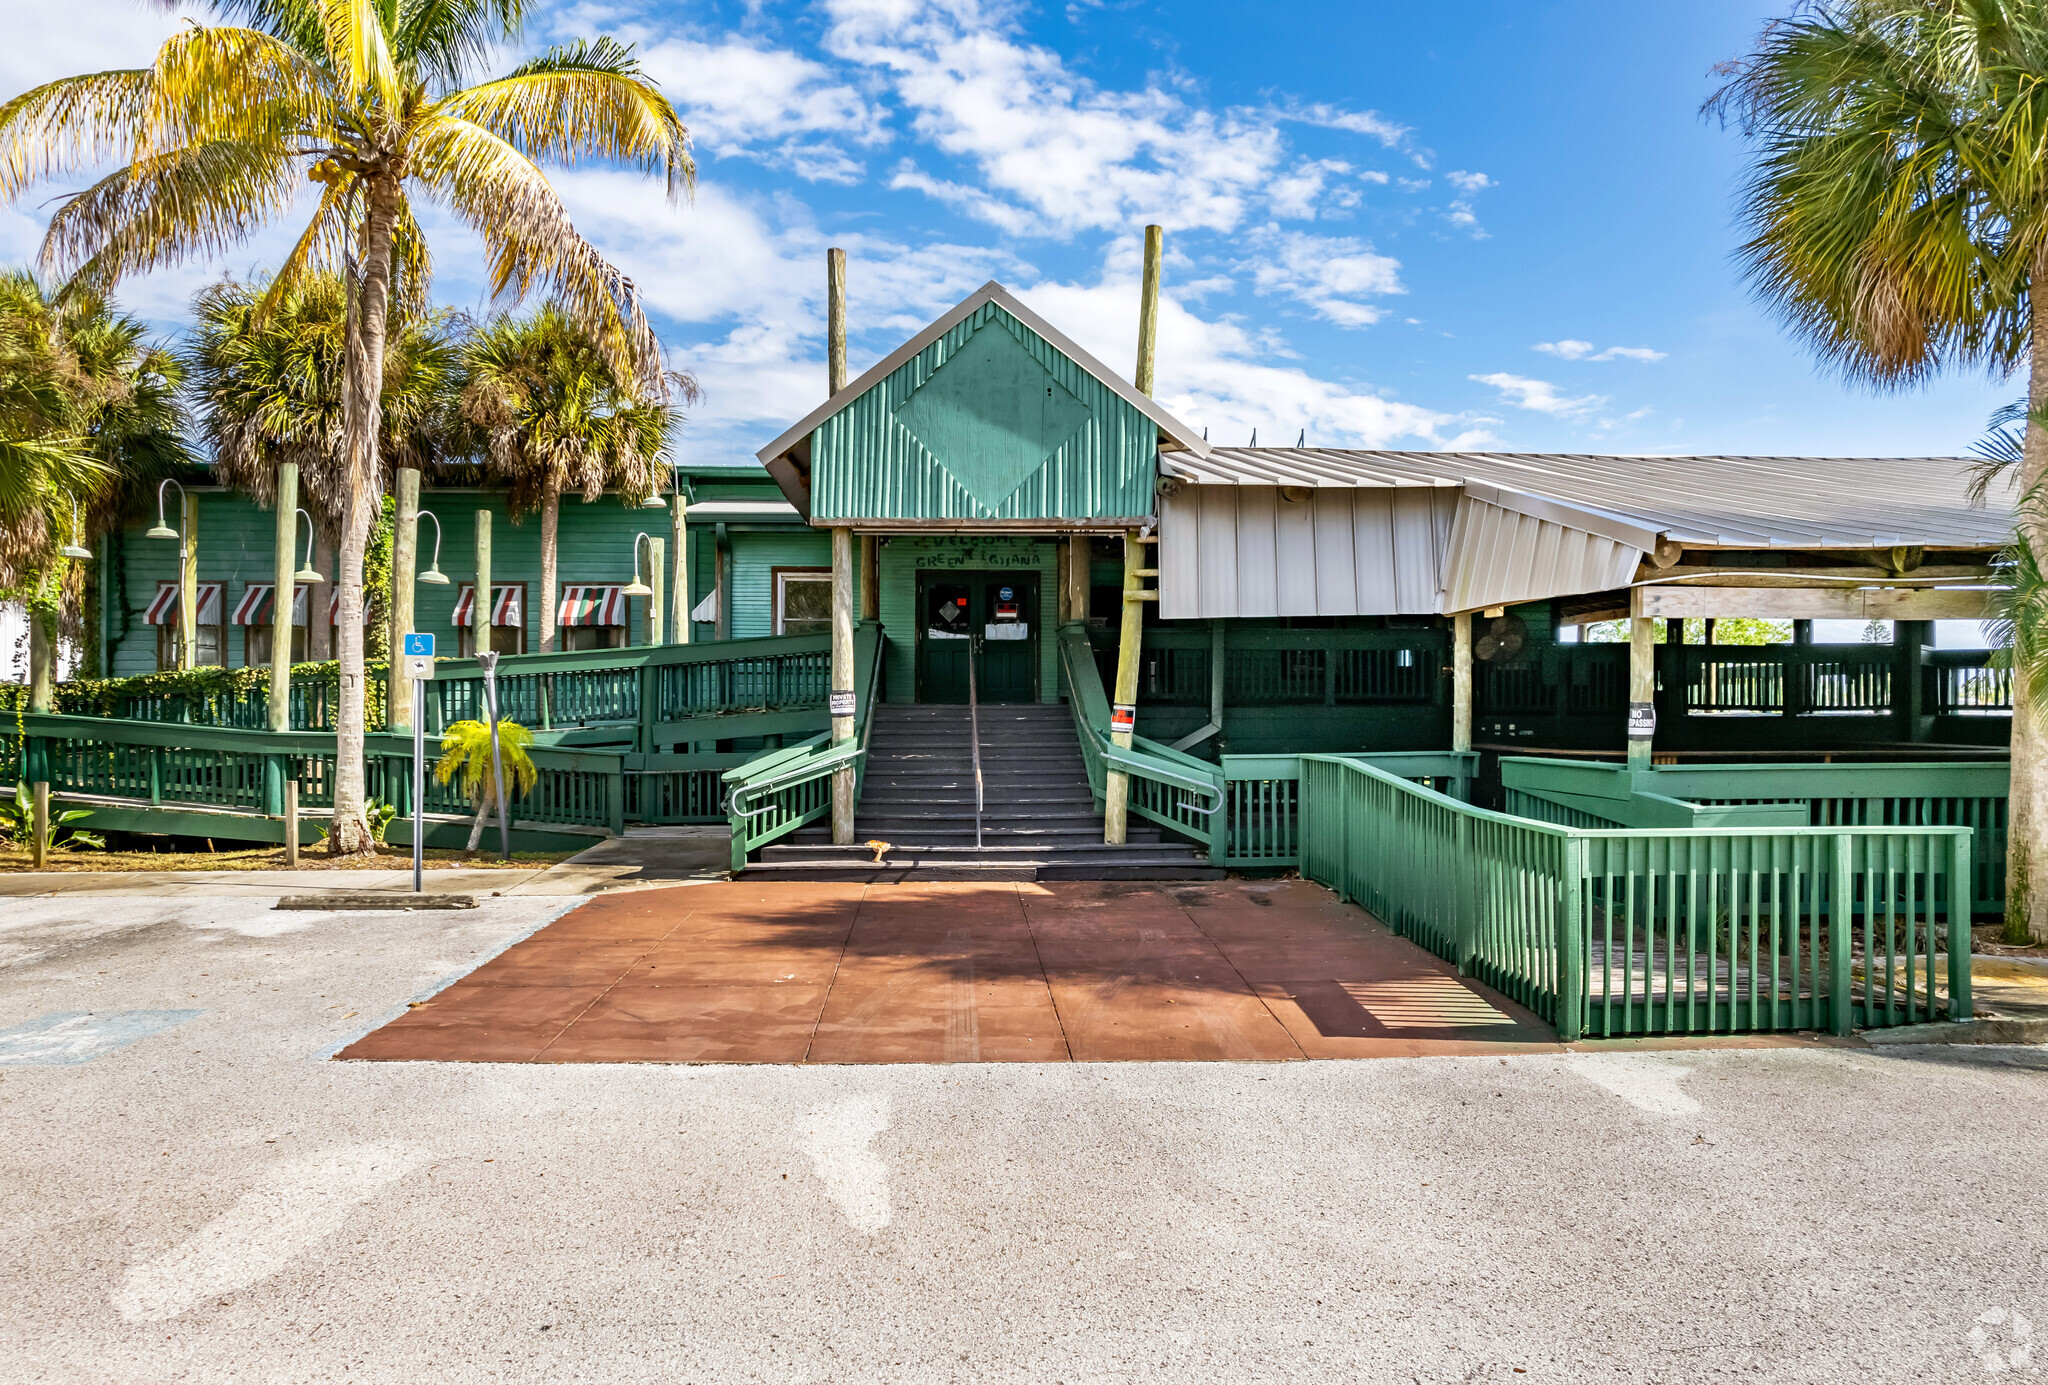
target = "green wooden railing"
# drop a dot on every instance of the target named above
(1681, 931)
(230, 782)
(1170, 788)
(1260, 826)
(1583, 793)
(653, 695)
(772, 795)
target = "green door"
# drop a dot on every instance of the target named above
(989, 617)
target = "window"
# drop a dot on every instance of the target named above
(591, 617)
(256, 645)
(508, 619)
(212, 631)
(803, 601)
(593, 637)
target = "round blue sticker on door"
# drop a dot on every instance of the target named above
(1006, 594)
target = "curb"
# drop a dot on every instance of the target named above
(1990, 1029)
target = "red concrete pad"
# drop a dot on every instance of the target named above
(961, 1017)
(546, 961)
(1161, 1022)
(734, 961)
(693, 1024)
(478, 1024)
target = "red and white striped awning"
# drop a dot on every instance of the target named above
(254, 607)
(506, 607)
(592, 606)
(164, 609)
(334, 606)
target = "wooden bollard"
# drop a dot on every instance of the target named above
(291, 824)
(40, 829)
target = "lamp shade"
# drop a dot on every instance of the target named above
(72, 550)
(161, 531)
(432, 577)
(308, 574)
(636, 588)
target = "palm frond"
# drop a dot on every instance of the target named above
(443, 41)
(359, 50)
(69, 125)
(585, 100)
(166, 208)
(531, 240)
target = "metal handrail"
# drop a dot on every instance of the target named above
(974, 737)
(809, 769)
(1109, 753)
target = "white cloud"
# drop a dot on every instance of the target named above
(1540, 396)
(767, 103)
(1328, 273)
(1051, 150)
(1572, 350)
(1219, 374)
(1387, 132)
(1469, 182)
(46, 40)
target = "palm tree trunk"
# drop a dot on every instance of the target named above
(476, 829)
(2026, 879)
(550, 514)
(369, 308)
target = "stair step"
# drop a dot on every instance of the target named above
(822, 850)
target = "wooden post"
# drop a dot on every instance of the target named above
(1080, 553)
(1642, 680)
(657, 577)
(39, 847)
(1461, 682)
(291, 821)
(1117, 790)
(188, 580)
(842, 679)
(42, 659)
(319, 631)
(284, 595)
(1061, 555)
(480, 611)
(835, 321)
(405, 564)
(1148, 309)
(679, 584)
(870, 577)
(721, 584)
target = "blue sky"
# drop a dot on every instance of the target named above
(1485, 225)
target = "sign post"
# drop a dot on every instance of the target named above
(419, 668)
(488, 662)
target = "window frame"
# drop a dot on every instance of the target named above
(779, 576)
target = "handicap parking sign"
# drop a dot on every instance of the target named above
(419, 646)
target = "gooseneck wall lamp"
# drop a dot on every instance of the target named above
(433, 576)
(637, 587)
(76, 548)
(307, 573)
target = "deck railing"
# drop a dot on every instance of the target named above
(1681, 931)
(1166, 786)
(239, 775)
(1582, 793)
(773, 794)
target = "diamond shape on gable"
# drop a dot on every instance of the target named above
(992, 414)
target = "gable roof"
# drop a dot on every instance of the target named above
(1175, 435)
(1725, 502)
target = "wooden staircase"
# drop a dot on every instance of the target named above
(1038, 822)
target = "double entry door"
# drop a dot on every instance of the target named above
(988, 617)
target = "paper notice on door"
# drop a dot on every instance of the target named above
(1019, 631)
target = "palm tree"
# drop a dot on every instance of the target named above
(90, 414)
(267, 374)
(372, 101)
(466, 752)
(1897, 212)
(90, 418)
(554, 416)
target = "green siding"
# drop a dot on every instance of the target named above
(594, 544)
(988, 416)
(903, 556)
(755, 556)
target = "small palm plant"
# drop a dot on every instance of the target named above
(18, 824)
(466, 751)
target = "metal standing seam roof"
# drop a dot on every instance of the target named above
(1729, 502)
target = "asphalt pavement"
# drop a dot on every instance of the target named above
(194, 1191)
